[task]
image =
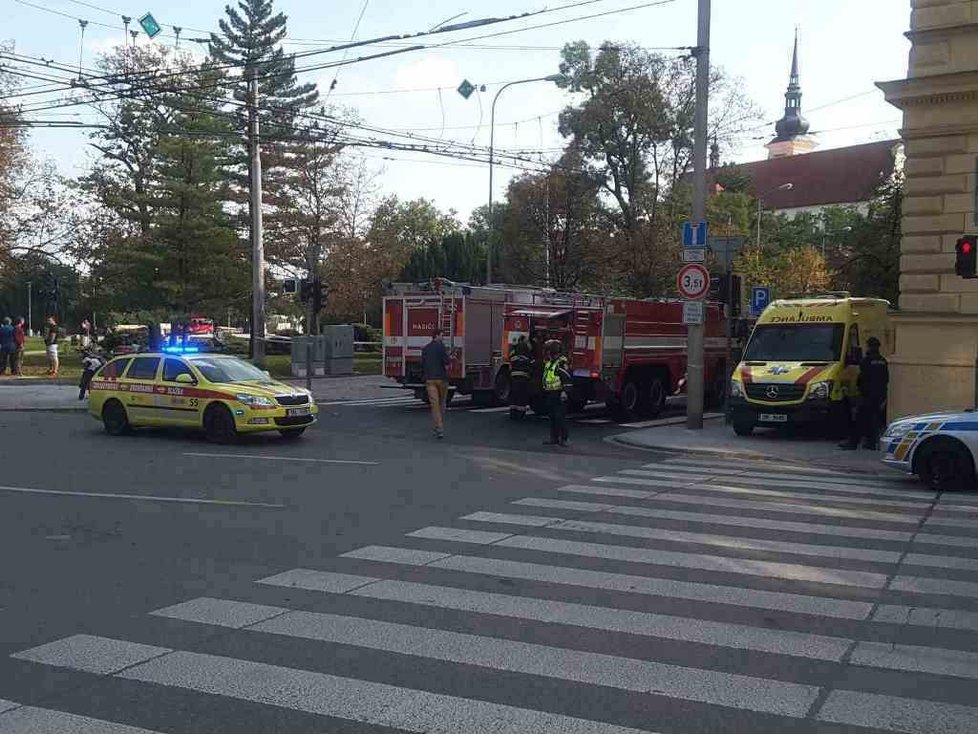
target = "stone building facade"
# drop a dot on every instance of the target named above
(934, 364)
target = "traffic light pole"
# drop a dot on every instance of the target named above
(695, 358)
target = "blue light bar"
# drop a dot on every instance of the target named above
(181, 350)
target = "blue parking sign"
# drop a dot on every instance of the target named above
(760, 297)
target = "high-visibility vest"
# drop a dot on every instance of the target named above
(551, 380)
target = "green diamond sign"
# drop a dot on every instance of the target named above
(466, 88)
(149, 24)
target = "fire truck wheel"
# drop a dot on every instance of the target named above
(657, 396)
(633, 400)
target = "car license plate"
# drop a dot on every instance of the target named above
(297, 411)
(772, 418)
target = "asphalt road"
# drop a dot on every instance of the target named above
(484, 583)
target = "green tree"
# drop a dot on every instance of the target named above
(633, 129)
(12, 156)
(199, 262)
(868, 262)
(552, 228)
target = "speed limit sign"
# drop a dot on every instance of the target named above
(693, 281)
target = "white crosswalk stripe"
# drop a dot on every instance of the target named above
(662, 599)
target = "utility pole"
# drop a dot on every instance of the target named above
(30, 295)
(694, 358)
(257, 244)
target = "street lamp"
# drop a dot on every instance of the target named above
(782, 187)
(492, 138)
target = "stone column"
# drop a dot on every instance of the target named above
(933, 365)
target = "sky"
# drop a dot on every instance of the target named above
(845, 47)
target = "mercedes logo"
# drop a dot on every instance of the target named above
(772, 391)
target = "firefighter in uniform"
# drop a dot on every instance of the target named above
(873, 381)
(520, 365)
(555, 378)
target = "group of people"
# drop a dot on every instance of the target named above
(13, 335)
(555, 382)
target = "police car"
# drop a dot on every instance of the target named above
(938, 447)
(221, 394)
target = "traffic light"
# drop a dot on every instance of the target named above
(726, 289)
(966, 262)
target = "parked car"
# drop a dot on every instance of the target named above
(938, 447)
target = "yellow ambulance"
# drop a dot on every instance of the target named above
(802, 361)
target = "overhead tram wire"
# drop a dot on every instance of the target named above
(132, 78)
(136, 95)
(372, 41)
(421, 144)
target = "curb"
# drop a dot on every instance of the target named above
(621, 440)
(36, 381)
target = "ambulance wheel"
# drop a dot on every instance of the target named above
(219, 425)
(944, 464)
(656, 396)
(291, 434)
(743, 427)
(114, 418)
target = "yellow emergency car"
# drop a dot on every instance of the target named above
(802, 361)
(223, 395)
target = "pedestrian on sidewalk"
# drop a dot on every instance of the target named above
(434, 362)
(8, 345)
(873, 384)
(51, 337)
(19, 339)
(91, 362)
(556, 379)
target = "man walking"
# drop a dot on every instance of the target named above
(51, 346)
(434, 362)
(555, 377)
(873, 382)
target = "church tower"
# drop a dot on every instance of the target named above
(791, 130)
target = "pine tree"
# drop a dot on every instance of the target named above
(201, 263)
(251, 41)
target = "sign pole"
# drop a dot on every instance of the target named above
(695, 357)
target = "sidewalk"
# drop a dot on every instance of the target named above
(717, 439)
(28, 394)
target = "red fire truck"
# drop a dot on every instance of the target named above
(628, 353)
(471, 320)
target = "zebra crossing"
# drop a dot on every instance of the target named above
(680, 597)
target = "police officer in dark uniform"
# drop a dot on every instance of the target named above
(873, 382)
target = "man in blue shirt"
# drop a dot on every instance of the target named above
(434, 362)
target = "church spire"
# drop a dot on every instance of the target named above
(792, 124)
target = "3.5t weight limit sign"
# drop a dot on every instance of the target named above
(693, 281)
